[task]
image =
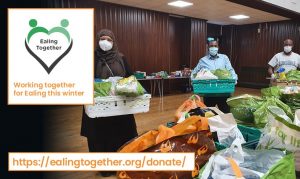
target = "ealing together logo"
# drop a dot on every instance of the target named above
(41, 47)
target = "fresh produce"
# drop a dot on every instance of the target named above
(242, 107)
(102, 88)
(293, 75)
(292, 100)
(129, 87)
(222, 74)
(205, 74)
(261, 114)
(274, 91)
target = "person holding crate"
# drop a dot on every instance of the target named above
(214, 61)
(108, 134)
(286, 60)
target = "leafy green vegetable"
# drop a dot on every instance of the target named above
(244, 100)
(293, 75)
(261, 114)
(273, 91)
(242, 107)
(222, 74)
(292, 100)
(102, 88)
(243, 114)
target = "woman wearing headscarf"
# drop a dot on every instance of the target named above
(107, 134)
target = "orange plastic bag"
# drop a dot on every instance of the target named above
(153, 137)
(140, 143)
(191, 124)
(191, 103)
(164, 133)
(184, 139)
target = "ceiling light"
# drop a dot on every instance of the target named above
(180, 3)
(239, 17)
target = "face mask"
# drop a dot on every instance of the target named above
(213, 51)
(287, 49)
(105, 45)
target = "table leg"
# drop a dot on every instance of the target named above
(162, 94)
(159, 89)
(159, 92)
(151, 87)
(154, 87)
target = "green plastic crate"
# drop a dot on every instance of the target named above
(139, 75)
(214, 87)
(250, 134)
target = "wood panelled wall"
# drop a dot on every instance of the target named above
(213, 30)
(198, 41)
(152, 41)
(178, 34)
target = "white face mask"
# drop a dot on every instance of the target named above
(105, 45)
(213, 51)
(287, 49)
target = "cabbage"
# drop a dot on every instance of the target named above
(242, 107)
(273, 91)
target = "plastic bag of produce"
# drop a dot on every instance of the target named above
(222, 74)
(243, 114)
(129, 87)
(280, 132)
(292, 100)
(274, 91)
(102, 88)
(290, 90)
(237, 162)
(242, 107)
(297, 118)
(244, 100)
(293, 75)
(204, 74)
(261, 114)
(226, 128)
(192, 103)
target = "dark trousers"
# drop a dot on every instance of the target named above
(220, 101)
(96, 147)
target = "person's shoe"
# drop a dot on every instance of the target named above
(107, 174)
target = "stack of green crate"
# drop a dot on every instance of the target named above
(222, 87)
